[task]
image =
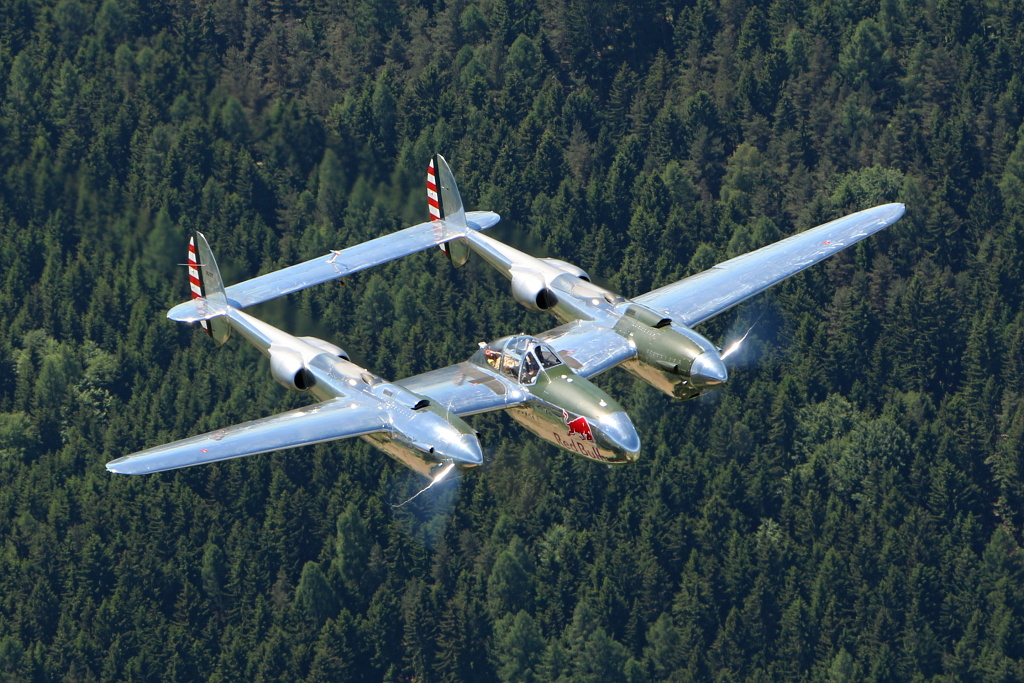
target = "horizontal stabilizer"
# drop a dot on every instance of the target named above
(336, 419)
(337, 264)
(197, 310)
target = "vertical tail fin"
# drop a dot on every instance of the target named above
(433, 198)
(445, 203)
(205, 281)
(194, 283)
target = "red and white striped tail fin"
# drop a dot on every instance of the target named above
(445, 204)
(433, 200)
(194, 282)
(205, 282)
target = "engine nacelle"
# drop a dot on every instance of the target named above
(288, 369)
(672, 358)
(326, 347)
(567, 267)
(647, 316)
(531, 291)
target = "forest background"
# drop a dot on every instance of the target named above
(848, 508)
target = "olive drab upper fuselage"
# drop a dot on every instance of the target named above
(561, 407)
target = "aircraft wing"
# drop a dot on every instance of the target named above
(465, 389)
(704, 295)
(338, 264)
(335, 419)
(589, 348)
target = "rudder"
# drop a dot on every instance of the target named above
(445, 203)
(205, 282)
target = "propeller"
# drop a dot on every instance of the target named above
(428, 512)
(437, 479)
(427, 517)
(734, 347)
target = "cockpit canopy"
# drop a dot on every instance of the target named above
(519, 358)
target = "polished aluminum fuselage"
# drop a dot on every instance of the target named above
(553, 401)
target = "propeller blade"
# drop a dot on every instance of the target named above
(438, 478)
(735, 346)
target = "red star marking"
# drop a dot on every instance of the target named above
(203, 450)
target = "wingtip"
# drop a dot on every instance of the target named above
(898, 209)
(123, 465)
(886, 213)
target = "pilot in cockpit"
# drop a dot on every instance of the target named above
(510, 365)
(519, 358)
(548, 358)
(530, 369)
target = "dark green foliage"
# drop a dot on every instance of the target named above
(848, 508)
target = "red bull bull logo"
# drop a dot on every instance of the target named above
(578, 427)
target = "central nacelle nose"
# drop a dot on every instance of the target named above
(464, 451)
(616, 432)
(708, 370)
